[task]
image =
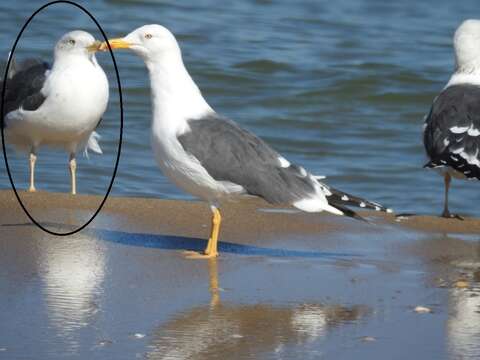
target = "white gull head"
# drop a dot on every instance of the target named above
(153, 43)
(175, 96)
(466, 43)
(76, 43)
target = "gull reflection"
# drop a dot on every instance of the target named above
(244, 330)
(450, 259)
(73, 270)
(463, 325)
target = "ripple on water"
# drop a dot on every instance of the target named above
(265, 66)
(327, 85)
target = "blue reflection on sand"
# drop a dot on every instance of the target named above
(170, 242)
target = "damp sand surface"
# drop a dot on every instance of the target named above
(286, 285)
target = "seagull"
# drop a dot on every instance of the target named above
(209, 155)
(58, 106)
(451, 134)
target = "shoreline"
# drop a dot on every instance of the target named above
(192, 218)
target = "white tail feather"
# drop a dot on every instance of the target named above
(92, 144)
(316, 204)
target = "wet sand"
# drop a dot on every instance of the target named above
(188, 217)
(286, 285)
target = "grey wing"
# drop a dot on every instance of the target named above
(16, 67)
(452, 130)
(230, 153)
(24, 87)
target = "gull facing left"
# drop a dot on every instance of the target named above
(57, 106)
(212, 157)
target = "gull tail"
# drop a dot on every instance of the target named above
(340, 199)
(318, 203)
(334, 201)
(92, 144)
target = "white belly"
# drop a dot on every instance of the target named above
(186, 172)
(76, 99)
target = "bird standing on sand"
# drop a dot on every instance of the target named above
(452, 128)
(210, 156)
(59, 106)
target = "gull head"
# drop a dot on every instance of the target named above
(150, 42)
(77, 42)
(466, 43)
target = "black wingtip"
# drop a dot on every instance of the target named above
(338, 197)
(348, 212)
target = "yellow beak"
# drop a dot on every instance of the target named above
(118, 43)
(95, 46)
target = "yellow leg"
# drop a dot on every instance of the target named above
(33, 159)
(73, 173)
(212, 245)
(211, 250)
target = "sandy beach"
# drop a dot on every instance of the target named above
(191, 218)
(286, 284)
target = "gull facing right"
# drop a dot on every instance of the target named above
(59, 106)
(212, 157)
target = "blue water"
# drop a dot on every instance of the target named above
(339, 87)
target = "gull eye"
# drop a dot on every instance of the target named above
(148, 36)
(71, 42)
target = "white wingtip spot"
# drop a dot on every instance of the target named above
(473, 132)
(472, 159)
(345, 198)
(362, 204)
(459, 129)
(284, 163)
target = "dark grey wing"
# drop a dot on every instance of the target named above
(230, 153)
(23, 89)
(452, 130)
(16, 67)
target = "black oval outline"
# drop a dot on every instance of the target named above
(121, 118)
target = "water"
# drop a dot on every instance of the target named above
(340, 88)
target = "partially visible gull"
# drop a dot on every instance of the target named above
(209, 155)
(452, 128)
(57, 106)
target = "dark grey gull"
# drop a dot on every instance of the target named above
(452, 128)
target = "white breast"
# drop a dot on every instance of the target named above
(76, 98)
(78, 95)
(184, 170)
